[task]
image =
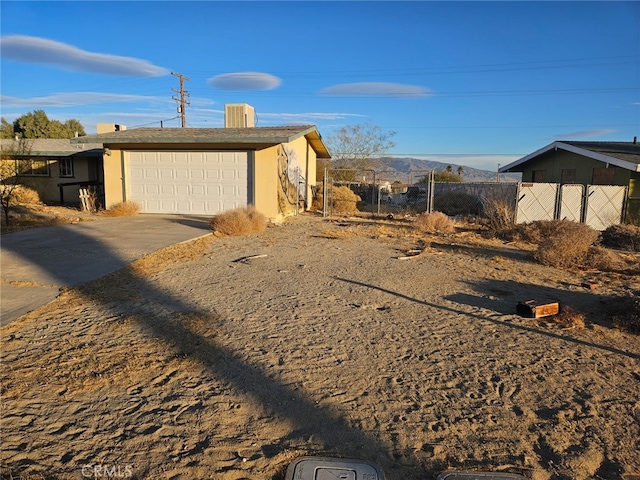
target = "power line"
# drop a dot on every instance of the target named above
(181, 100)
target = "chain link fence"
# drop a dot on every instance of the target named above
(501, 204)
(383, 193)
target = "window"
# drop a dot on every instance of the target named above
(603, 176)
(537, 176)
(568, 175)
(33, 168)
(66, 167)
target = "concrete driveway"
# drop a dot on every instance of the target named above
(36, 263)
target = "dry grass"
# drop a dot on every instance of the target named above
(238, 222)
(122, 209)
(434, 222)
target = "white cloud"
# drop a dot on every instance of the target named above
(70, 99)
(581, 134)
(312, 115)
(244, 81)
(27, 49)
(376, 89)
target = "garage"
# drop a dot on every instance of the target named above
(188, 182)
(207, 171)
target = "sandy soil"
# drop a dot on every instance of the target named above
(203, 363)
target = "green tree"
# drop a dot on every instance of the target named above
(355, 147)
(37, 124)
(6, 130)
(443, 176)
(460, 171)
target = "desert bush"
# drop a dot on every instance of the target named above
(624, 312)
(623, 237)
(499, 214)
(567, 243)
(344, 200)
(568, 318)
(604, 259)
(122, 209)
(434, 222)
(25, 196)
(318, 201)
(238, 222)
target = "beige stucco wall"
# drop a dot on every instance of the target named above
(265, 185)
(47, 186)
(113, 191)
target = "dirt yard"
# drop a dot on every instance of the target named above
(229, 357)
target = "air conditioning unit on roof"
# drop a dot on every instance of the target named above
(239, 115)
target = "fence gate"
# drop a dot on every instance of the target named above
(536, 201)
(604, 205)
(571, 202)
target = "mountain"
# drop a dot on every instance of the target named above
(408, 169)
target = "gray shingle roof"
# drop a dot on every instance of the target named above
(622, 154)
(249, 137)
(628, 151)
(54, 147)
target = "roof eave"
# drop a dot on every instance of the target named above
(573, 149)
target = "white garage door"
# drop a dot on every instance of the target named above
(203, 183)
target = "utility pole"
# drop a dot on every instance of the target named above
(181, 100)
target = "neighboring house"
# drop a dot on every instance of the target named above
(586, 163)
(205, 171)
(56, 168)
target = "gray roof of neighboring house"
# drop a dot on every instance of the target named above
(250, 137)
(53, 147)
(621, 154)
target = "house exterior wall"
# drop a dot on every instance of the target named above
(47, 186)
(114, 192)
(633, 204)
(264, 169)
(553, 162)
(265, 185)
(306, 159)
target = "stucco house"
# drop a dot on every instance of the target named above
(586, 163)
(56, 168)
(205, 171)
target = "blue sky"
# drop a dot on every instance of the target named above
(472, 83)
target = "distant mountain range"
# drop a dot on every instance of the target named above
(408, 169)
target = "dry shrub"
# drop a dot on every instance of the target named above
(318, 202)
(569, 318)
(623, 237)
(25, 196)
(624, 312)
(434, 222)
(238, 222)
(600, 258)
(344, 200)
(499, 213)
(122, 209)
(566, 244)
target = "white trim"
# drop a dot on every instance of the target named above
(634, 167)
